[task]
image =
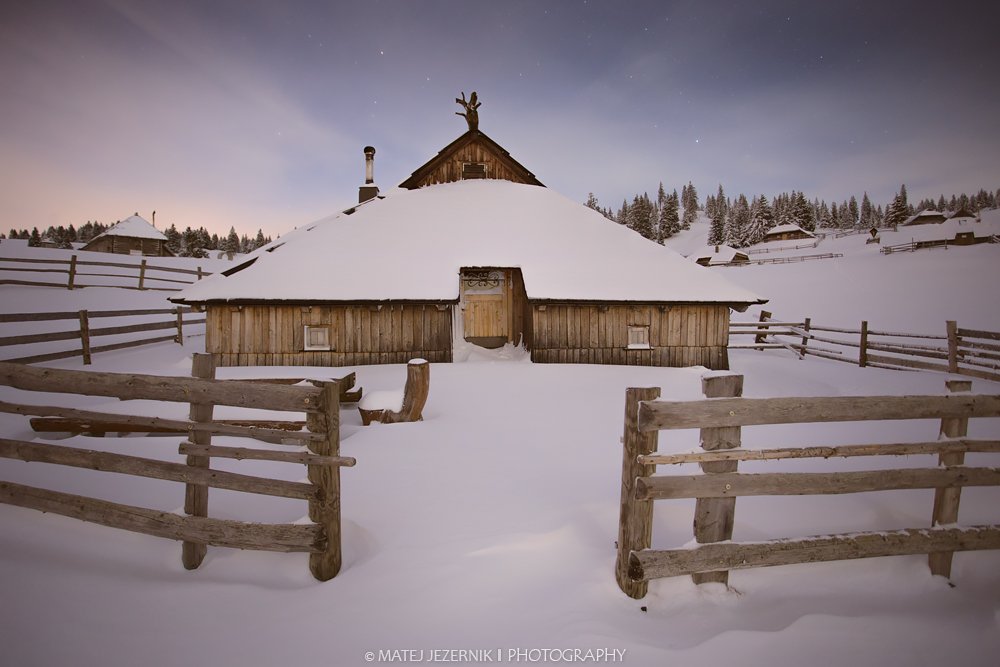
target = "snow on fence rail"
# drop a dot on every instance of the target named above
(138, 272)
(321, 403)
(83, 331)
(720, 418)
(758, 251)
(970, 352)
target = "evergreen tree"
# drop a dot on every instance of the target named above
(826, 214)
(737, 225)
(641, 216)
(622, 216)
(867, 215)
(592, 202)
(669, 220)
(853, 212)
(761, 220)
(173, 242)
(802, 213)
(231, 243)
(35, 239)
(260, 241)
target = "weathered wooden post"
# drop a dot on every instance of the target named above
(946, 500)
(180, 325)
(863, 353)
(72, 272)
(759, 338)
(635, 520)
(952, 327)
(196, 495)
(324, 509)
(199, 273)
(713, 517)
(85, 337)
(805, 337)
(142, 275)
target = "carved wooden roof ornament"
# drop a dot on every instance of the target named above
(471, 107)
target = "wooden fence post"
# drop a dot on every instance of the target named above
(180, 325)
(946, 500)
(952, 327)
(324, 509)
(72, 272)
(142, 275)
(713, 517)
(635, 519)
(805, 337)
(199, 273)
(196, 495)
(863, 353)
(85, 337)
(759, 338)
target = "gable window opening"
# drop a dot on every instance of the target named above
(316, 338)
(472, 170)
(638, 337)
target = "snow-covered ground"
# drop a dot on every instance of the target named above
(491, 524)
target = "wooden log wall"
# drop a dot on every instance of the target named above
(679, 335)
(263, 335)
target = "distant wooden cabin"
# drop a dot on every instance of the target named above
(787, 232)
(925, 217)
(131, 236)
(473, 247)
(719, 255)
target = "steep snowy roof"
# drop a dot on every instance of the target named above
(135, 226)
(946, 230)
(411, 244)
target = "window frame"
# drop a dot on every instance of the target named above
(308, 346)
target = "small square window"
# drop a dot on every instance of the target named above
(317, 338)
(638, 338)
(473, 170)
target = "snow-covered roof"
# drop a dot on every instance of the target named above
(927, 215)
(947, 230)
(717, 254)
(411, 245)
(134, 226)
(787, 227)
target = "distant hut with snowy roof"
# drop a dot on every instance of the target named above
(131, 236)
(471, 246)
(719, 255)
(786, 232)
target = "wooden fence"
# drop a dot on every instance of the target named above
(720, 417)
(139, 272)
(84, 333)
(758, 251)
(320, 403)
(970, 352)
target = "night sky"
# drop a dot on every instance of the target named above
(252, 113)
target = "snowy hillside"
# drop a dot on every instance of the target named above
(491, 524)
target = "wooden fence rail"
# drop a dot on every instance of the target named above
(970, 352)
(721, 417)
(320, 403)
(72, 272)
(84, 332)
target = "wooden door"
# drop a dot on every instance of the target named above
(485, 301)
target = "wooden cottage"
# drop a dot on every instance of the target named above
(131, 236)
(787, 232)
(471, 247)
(925, 217)
(719, 255)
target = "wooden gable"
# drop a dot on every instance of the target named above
(472, 155)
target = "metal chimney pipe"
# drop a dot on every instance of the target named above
(369, 165)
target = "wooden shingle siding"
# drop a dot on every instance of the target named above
(679, 335)
(257, 335)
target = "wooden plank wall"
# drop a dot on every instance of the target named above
(680, 335)
(449, 171)
(264, 335)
